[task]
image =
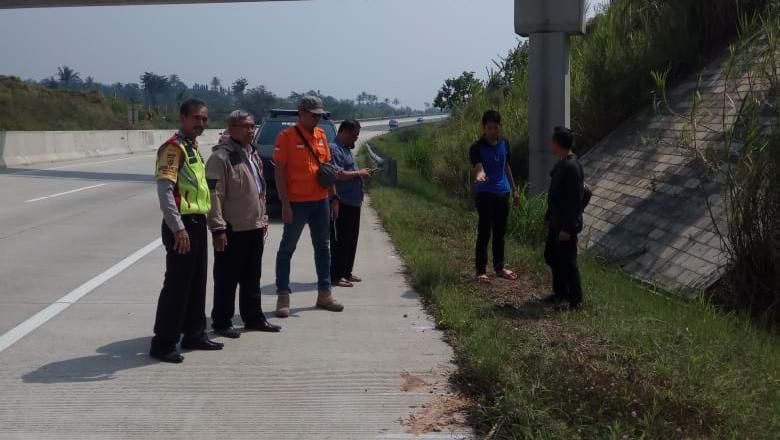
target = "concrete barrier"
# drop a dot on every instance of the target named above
(19, 148)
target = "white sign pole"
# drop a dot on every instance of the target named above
(548, 23)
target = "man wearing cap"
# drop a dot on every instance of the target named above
(298, 151)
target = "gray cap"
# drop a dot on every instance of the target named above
(312, 104)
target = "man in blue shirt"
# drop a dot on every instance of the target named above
(494, 184)
(346, 226)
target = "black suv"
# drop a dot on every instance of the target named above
(265, 138)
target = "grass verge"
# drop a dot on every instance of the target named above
(633, 364)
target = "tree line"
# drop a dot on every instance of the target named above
(159, 96)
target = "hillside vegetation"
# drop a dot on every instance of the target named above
(611, 77)
(32, 107)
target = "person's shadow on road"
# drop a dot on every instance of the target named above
(111, 358)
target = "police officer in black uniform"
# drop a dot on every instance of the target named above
(564, 220)
(184, 200)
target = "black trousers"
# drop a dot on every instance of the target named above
(239, 265)
(561, 256)
(344, 232)
(493, 210)
(182, 304)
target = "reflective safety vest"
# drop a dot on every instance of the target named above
(191, 190)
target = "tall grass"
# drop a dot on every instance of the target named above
(610, 73)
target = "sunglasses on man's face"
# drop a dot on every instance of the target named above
(314, 115)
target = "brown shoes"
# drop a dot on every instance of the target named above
(283, 305)
(326, 301)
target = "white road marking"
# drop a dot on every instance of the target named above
(55, 308)
(85, 164)
(38, 199)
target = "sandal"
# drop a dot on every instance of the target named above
(354, 279)
(343, 283)
(507, 274)
(483, 279)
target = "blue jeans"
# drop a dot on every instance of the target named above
(317, 216)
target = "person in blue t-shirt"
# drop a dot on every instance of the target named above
(494, 187)
(346, 226)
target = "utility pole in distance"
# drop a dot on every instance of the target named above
(548, 23)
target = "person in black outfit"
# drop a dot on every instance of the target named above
(184, 201)
(564, 220)
(494, 184)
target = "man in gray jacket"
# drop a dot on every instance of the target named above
(237, 219)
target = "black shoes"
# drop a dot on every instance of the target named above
(230, 332)
(263, 326)
(173, 357)
(203, 344)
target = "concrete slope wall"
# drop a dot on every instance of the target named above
(29, 147)
(654, 202)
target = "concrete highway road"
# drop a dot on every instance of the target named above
(81, 268)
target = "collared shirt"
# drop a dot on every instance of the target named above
(350, 191)
(301, 168)
(258, 181)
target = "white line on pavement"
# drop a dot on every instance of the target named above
(81, 164)
(38, 199)
(54, 309)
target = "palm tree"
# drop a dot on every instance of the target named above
(67, 76)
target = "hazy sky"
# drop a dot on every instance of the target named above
(398, 48)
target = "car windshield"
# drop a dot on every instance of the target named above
(271, 129)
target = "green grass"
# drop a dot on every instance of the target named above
(633, 364)
(29, 107)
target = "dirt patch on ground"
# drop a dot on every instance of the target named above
(413, 383)
(528, 287)
(445, 414)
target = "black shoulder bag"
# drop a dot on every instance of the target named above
(327, 173)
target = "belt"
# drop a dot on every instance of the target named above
(194, 218)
